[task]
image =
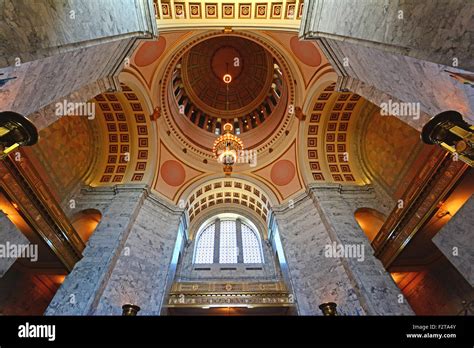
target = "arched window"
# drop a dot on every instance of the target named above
(205, 252)
(228, 240)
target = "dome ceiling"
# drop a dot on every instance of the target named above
(249, 65)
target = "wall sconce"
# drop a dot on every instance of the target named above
(328, 309)
(15, 131)
(130, 310)
(451, 132)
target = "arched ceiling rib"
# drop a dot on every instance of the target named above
(124, 125)
(184, 160)
(328, 151)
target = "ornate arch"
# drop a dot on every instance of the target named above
(328, 150)
(125, 129)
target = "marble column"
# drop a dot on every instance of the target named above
(456, 241)
(9, 236)
(33, 30)
(57, 50)
(436, 31)
(398, 51)
(314, 278)
(127, 258)
(140, 275)
(318, 221)
(378, 293)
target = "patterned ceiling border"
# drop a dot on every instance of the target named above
(126, 143)
(228, 191)
(327, 136)
(174, 14)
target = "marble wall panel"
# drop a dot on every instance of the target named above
(456, 241)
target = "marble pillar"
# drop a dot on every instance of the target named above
(312, 229)
(337, 204)
(9, 236)
(456, 241)
(33, 30)
(62, 50)
(127, 258)
(388, 56)
(314, 278)
(436, 31)
(140, 275)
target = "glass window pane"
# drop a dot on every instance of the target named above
(228, 242)
(250, 245)
(205, 246)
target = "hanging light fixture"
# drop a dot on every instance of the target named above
(228, 146)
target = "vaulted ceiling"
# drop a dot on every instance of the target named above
(159, 129)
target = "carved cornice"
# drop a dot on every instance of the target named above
(256, 294)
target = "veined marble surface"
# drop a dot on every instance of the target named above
(9, 235)
(432, 30)
(315, 279)
(456, 240)
(31, 30)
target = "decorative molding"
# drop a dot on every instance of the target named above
(328, 136)
(255, 294)
(126, 125)
(278, 14)
(228, 191)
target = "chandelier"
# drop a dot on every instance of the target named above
(227, 148)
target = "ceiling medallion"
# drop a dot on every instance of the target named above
(227, 148)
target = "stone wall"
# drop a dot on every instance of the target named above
(32, 30)
(337, 205)
(140, 274)
(127, 258)
(404, 79)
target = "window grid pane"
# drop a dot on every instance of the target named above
(228, 242)
(250, 246)
(205, 246)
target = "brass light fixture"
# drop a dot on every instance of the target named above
(451, 132)
(328, 308)
(130, 310)
(227, 147)
(15, 131)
